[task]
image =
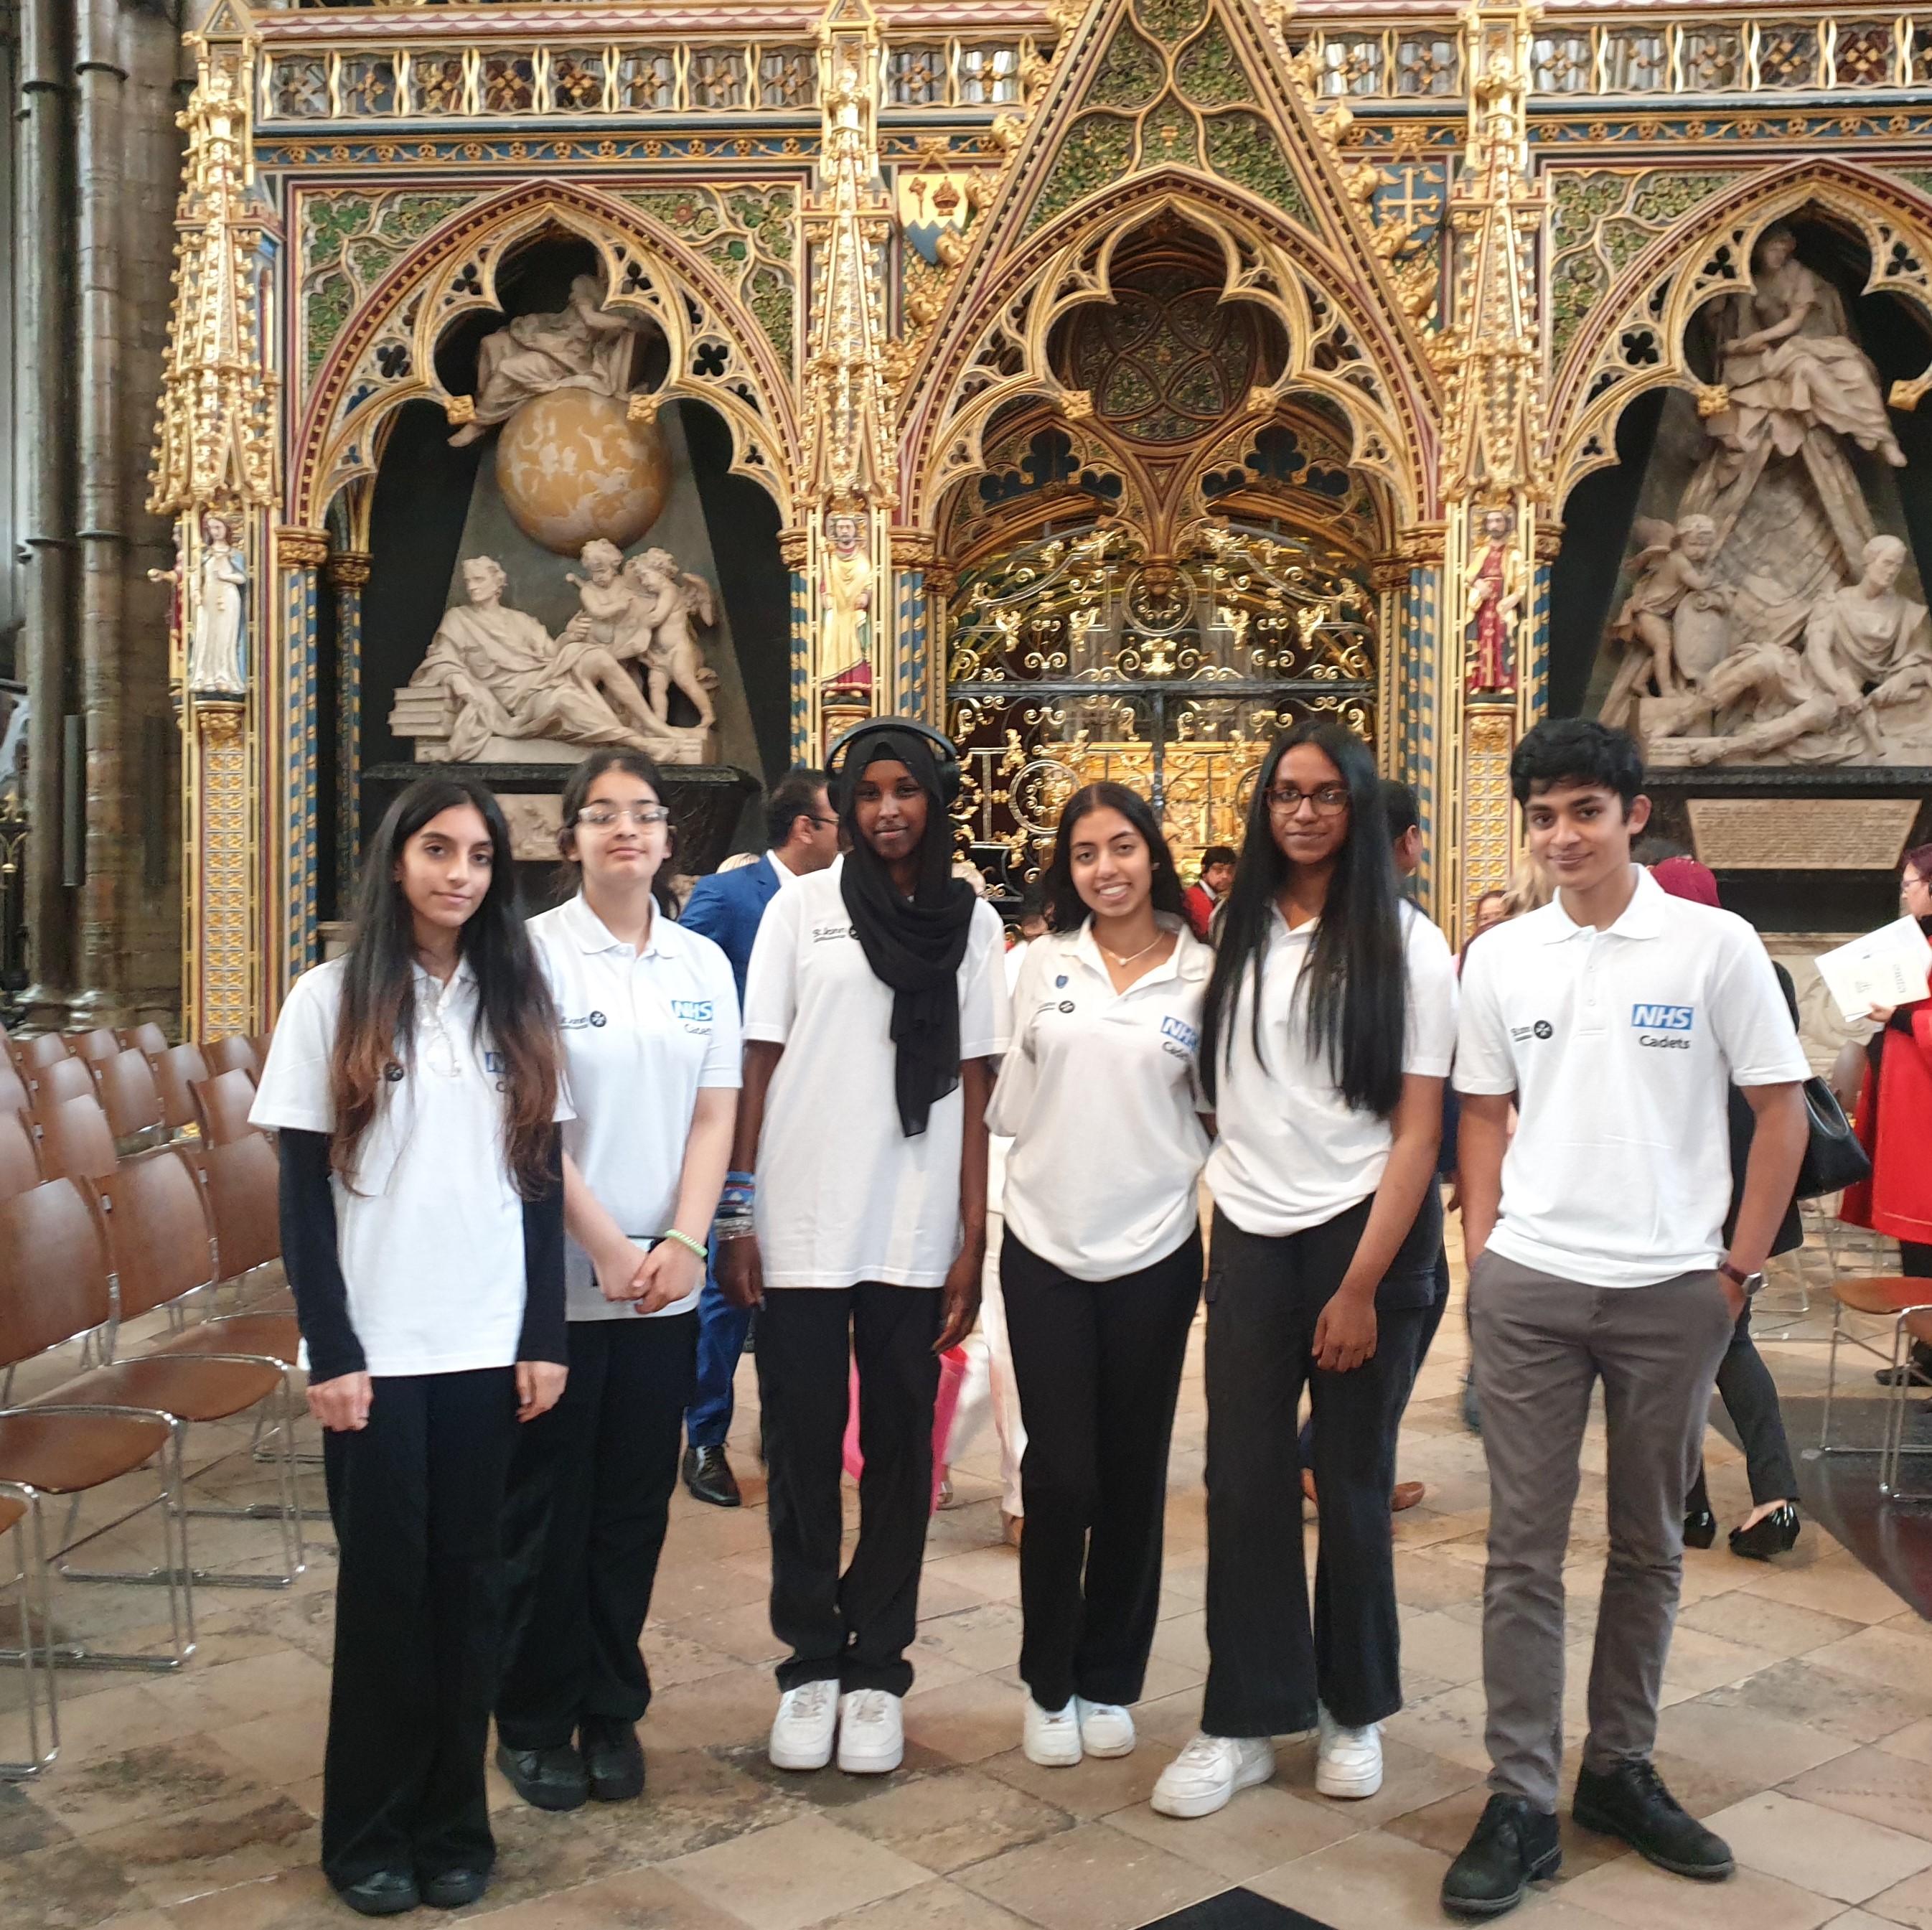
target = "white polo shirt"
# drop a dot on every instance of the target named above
(1291, 1153)
(643, 1032)
(844, 1195)
(430, 1235)
(1100, 1094)
(1619, 1046)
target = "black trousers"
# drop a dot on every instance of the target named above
(1750, 1398)
(417, 1499)
(1098, 1364)
(1269, 1666)
(855, 1628)
(590, 1491)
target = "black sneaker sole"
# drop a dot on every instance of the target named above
(617, 1789)
(1596, 1820)
(538, 1796)
(1542, 1872)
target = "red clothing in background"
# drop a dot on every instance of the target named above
(1894, 1125)
(1199, 902)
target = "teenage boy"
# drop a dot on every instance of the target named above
(1613, 1019)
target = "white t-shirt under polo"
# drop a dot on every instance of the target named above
(1100, 1095)
(844, 1195)
(643, 1032)
(1619, 1046)
(1291, 1153)
(431, 1235)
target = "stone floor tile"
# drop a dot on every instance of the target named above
(213, 1846)
(626, 1901)
(1424, 1580)
(1091, 1878)
(1802, 1690)
(65, 1886)
(1373, 1881)
(168, 1778)
(984, 1638)
(1630, 1891)
(796, 1873)
(1874, 1783)
(1839, 1586)
(1914, 1742)
(933, 1906)
(1741, 1743)
(1781, 1628)
(1812, 1847)
(275, 1748)
(945, 1822)
(1094, 1787)
(968, 1721)
(1885, 1655)
(1858, 1919)
(1260, 1829)
(1440, 1646)
(1447, 1825)
(1909, 1902)
(735, 1706)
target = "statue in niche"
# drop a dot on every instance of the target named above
(1494, 587)
(610, 614)
(494, 678)
(215, 666)
(670, 599)
(848, 591)
(1674, 624)
(582, 346)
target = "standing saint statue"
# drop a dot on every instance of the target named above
(1495, 586)
(848, 591)
(581, 347)
(215, 661)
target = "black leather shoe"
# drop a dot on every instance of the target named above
(1514, 1845)
(613, 1757)
(1917, 1371)
(546, 1778)
(454, 1888)
(1773, 1535)
(709, 1476)
(1700, 1529)
(1631, 1802)
(387, 1893)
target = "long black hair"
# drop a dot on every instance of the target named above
(1353, 994)
(377, 1025)
(633, 763)
(1066, 910)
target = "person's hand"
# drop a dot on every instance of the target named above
(671, 1272)
(960, 1306)
(1734, 1295)
(1344, 1335)
(539, 1386)
(619, 1268)
(1881, 1015)
(341, 1404)
(741, 1272)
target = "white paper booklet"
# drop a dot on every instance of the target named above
(1887, 966)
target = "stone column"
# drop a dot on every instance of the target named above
(1419, 675)
(918, 680)
(222, 994)
(290, 733)
(794, 547)
(348, 572)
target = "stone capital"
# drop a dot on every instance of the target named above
(349, 569)
(298, 548)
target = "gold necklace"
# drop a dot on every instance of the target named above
(1132, 956)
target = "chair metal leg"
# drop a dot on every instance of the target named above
(37, 1671)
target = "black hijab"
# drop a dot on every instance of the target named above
(913, 945)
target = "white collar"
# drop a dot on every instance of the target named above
(593, 936)
(1642, 917)
(1179, 963)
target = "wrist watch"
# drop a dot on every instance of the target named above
(1749, 1282)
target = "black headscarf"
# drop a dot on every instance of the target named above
(913, 945)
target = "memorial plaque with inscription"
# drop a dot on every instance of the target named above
(1792, 834)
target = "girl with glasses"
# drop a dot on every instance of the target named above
(650, 1018)
(1326, 1034)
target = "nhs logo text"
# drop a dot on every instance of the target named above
(1662, 1018)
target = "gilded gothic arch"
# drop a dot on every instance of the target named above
(1633, 341)
(720, 353)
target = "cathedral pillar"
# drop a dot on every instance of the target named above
(291, 740)
(919, 689)
(220, 996)
(794, 546)
(348, 573)
(1409, 579)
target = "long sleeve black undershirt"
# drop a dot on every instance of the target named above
(314, 1262)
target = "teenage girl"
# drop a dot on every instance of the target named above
(414, 1083)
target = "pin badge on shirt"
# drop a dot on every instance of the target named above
(1060, 980)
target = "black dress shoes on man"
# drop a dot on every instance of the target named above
(1700, 1528)
(1515, 1845)
(709, 1476)
(613, 1757)
(387, 1893)
(1772, 1535)
(1631, 1802)
(453, 1889)
(546, 1778)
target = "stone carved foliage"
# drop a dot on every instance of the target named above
(747, 234)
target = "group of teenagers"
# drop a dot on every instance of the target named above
(510, 1150)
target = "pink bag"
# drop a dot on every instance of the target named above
(952, 1376)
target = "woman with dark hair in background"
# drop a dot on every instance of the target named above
(414, 1082)
(649, 1019)
(1101, 1268)
(1326, 1035)
(875, 1002)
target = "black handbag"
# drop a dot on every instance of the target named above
(1833, 1158)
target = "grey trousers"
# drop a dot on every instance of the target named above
(1539, 1343)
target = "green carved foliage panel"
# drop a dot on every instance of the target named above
(746, 235)
(1244, 148)
(1096, 151)
(1172, 20)
(1210, 72)
(1131, 74)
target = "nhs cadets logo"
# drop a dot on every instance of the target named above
(1667, 1027)
(694, 1014)
(1177, 1038)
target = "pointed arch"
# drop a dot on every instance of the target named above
(384, 356)
(1633, 340)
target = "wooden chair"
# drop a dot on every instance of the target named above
(30, 1054)
(224, 1103)
(132, 1100)
(241, 1182)
(19, 1157)
(235, 1054)
(148, 1040)
(36, 1663)
(1887, 1297)
(101, 1043)
(176, 1072)
(54, 1288)
(261, 1043)
(75, 1142)
(14, 1097)
(55, 1084)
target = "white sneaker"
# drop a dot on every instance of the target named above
(872, 1732)
(1211, 1769)
(1106, 1728)
(1051, 1737)
(1350, 1764)
(802, 1730)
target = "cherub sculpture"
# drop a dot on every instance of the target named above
(609, 601)
(668, 597)
(1670, 565)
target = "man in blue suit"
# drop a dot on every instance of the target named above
(726, 908)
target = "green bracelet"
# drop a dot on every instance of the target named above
(688, 1243)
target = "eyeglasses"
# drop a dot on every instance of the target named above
(1329, 799)
(817, 820)
(603, 816)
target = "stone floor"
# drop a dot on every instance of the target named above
(1799, 1722)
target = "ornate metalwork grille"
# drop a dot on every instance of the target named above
(1073, 658)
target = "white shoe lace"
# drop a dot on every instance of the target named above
(869, 1707)
(810, 1700)
(1203, 1753)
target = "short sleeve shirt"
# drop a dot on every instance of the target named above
(431, 1229)
(1102, 1084)
(643, 1033)
(844, 1195)
(1620, 1046)
(1292, 1152)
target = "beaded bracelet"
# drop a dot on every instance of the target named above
(690, 1245)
